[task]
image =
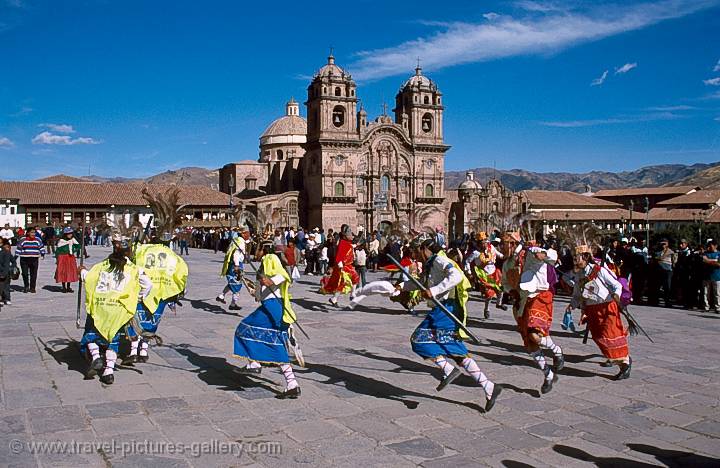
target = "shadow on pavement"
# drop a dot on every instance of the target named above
(489, 324)
(216, 371)
(673, 458)
(377, 388)
(52, 288)
(203, 305)
(69, 355)
(601, 462)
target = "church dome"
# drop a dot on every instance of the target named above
(418, 80)
(470, 183)
(286, 125)
(330, 69)
(291, 124)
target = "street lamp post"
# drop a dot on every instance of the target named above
(647, 222)
(453, 219)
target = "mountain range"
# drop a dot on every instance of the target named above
(702, 175)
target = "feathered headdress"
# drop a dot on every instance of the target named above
(580, 238)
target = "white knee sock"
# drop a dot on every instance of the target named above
(235, 298)
(253, 365)
(110, 358)
(134, 347)
(94, 350)
(540, 360)
(443, 364)
(547, 343)
(143, 348)
(472, 368)
(289, 375)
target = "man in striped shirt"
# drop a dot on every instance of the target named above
(30, 248)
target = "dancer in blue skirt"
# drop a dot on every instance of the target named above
(262, 336)
(438, 336)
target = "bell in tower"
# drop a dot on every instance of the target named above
(332, 103)
(420, 99)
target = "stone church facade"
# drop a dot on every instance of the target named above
(338, 167)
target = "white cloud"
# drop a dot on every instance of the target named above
(649, 117)
(24, 110)
(680, 107)
(716, 68)
(491, 16)
(599, 81)
(59, 128)
(712, 81)
(542, 29)
(717, 119)
(5, 143)
(625, 68)
(47, 138)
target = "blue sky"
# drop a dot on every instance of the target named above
(132, 88)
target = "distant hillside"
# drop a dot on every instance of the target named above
(187, 176)
(703, 175)
(649, 176)
(707, 178)
(183, 176)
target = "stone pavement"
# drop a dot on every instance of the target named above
(367, 399)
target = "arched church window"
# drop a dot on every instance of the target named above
(385, 183)
(279, 155)
(427, 122)
(429, 190)
(426, 100)
(352, 92)
(338, 116)
(339, 189)
(338, 92)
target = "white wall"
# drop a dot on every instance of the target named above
(14, 220)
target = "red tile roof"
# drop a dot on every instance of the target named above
(584, 215)
(633, 192)
(99, 194)
(701, 197)
(558, 198)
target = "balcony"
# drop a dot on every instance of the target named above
(339, 200)
(430, 200)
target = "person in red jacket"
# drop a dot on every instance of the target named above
(343, 278)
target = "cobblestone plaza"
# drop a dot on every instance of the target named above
(367, 399)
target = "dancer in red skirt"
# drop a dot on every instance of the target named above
(343, 278)
(597, 292)
(65, 250)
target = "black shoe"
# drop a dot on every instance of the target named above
(548, 384)
(289, 394)
(234, 307)
(500, 306)
(32, 291)
(95, 366)
(70, 290)
(107, 379)
(486, 313)
(491, 401)
(220, 299)
(143, 359)
(448, 379)
(624, 371)
(26, 290)
(249, 370)
(64, 289)
(130, 360)
(607, 363)
(558, 361)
